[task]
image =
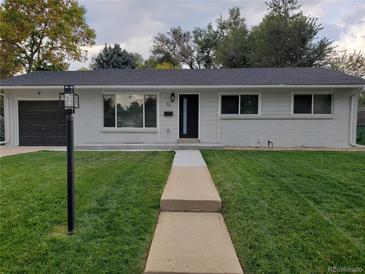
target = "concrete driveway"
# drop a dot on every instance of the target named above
(7, 151)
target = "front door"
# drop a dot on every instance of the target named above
(189, 116)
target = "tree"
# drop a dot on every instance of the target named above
(286, 37)
(232, 48)
(233, 51)
(201, 47)
(116, 57)
(206, 42)
(161, 62)
(43, 34)
(177, 45)
(351, 63)
(164, 65)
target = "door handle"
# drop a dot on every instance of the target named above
(43, 128)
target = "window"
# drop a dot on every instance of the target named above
(150, 109)
(322, 104)
(312, 104)
(130, 111)
(249, 104)
(109, 111)
(230, 104)
(240, 104)
(303, 104)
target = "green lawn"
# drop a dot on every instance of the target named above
(117, 203)
(293, 212)
(361, 135)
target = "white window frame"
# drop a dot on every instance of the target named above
(131, 129)
(239, 104)
(312, 93)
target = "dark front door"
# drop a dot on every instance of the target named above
(189, 116)
(41, 123)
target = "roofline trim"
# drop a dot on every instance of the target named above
(182, 86)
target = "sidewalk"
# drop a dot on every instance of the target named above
(191, 236)
(8, 151)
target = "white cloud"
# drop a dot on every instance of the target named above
(352, 29)
(353, 38)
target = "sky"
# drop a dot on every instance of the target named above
(134, 23)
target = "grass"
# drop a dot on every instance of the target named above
(117, 203)
(361, 135)
(293, 212)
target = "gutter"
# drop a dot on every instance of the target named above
(6, 136)
(180, 86)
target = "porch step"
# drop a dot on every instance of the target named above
(190, 189)
(188, 141)
(192, 243)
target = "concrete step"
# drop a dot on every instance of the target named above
(190, 189)
(188, 141)
(192, 243)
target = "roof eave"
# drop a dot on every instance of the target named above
(181, 86)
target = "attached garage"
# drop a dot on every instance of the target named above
(41, 123)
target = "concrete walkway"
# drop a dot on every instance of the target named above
(191, 236)
(8, 151)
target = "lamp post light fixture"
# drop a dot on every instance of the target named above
(71, 102)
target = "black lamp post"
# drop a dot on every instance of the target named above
(71, 102)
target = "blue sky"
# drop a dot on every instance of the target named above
(133, 24)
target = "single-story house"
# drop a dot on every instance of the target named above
(291, 107)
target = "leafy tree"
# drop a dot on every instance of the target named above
(177, 45)
(232, 48)
(286, 37)
(206, 42)
(201, 47)
(234, 22)
(116, 57)
(352, 63)
(162, 62)
(233, 51)
(42, 34)
(164, 65)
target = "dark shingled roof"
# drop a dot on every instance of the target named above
(184, 77)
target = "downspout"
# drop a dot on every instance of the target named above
(352, 123)
(6, 137)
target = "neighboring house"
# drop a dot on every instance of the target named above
(291, 107)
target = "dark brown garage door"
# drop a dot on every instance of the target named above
(41, 123)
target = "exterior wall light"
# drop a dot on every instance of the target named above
(172, 97)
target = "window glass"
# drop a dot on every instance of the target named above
(249, 104)
(150, 110)
(322, 104)
(129, 110)
(229, 104)
(303, 104)
(109, 111)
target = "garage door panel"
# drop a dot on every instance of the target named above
(41, 123)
